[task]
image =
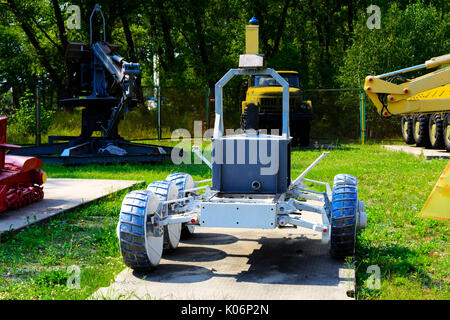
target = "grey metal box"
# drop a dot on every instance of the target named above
(242, 162)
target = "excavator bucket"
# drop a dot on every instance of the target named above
(437, 205)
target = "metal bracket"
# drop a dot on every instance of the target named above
(96, 9)
(198, 153)
(218, 125)
(301, 177)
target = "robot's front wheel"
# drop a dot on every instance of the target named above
(141, 249)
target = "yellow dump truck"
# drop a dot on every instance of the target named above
(265, 94)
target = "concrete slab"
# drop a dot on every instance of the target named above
(228, 264)
(60, 195)
(417, 151)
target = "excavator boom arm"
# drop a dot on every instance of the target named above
(429, 93)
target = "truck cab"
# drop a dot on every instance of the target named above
(266, 94)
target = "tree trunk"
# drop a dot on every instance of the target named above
(60, 24)
(42, 55)
(280, 29)
(15, 97)
(128, 36)
(166, 26)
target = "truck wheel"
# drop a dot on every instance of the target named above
(305, 128)
(167, 190)
(436, 131)
(141, 251)
(250, 119)
(183, 181)
(343, 216)
(407, 130)
(421, 136)
(243, 122)
(447, 131)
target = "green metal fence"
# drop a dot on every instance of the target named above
(338, 113)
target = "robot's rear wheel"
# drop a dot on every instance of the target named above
(183, 181)
(167, 190)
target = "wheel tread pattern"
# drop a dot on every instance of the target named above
(438, 121)
(423, 138)
(161, 189)
(409, 138)
(343, 216)
(131, 230)
(446, 132)
(180, 179)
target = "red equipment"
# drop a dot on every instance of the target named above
(21, 178)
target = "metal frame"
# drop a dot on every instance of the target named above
(268, 211)
(212, 209)
(96, 9)
(228, 208)
(218, 124)
(77, 152)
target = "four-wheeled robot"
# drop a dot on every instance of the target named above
(251, 187)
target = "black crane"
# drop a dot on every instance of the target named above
(104, 84)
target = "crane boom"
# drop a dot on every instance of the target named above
(426, 94)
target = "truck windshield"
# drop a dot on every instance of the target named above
(265, 81)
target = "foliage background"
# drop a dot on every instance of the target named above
(197, 41)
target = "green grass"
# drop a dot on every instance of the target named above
(411, 252)
(34, 262)
(135, 125)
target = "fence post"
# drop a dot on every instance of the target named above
(208, 92)
(362, 114)
(38, 117)
(158, 106)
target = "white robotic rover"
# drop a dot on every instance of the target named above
(246, 192)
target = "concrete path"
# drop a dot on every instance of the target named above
(227, 264)
(60, 195)
(417, 151)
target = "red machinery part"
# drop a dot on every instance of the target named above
(21, 178)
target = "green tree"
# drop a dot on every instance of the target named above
(407, 37)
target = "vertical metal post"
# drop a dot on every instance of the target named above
(208, 92)
(38, 118)
(158, 105)
(362, 114)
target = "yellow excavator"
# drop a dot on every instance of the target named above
(423, 102)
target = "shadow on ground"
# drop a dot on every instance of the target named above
(294, 261)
